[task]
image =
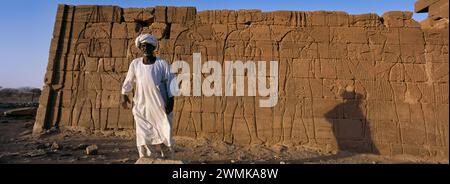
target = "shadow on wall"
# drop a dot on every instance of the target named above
(352, 132)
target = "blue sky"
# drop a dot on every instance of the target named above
(27, 26)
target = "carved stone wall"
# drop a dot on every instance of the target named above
(437, 12)
(360, 83)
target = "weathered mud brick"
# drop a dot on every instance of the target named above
(436, 53)
(349, 129)
(205, 17)
(411, 36)
(328, 108)
(398, 89)
(318, 18)
(279, 18)
(438, 9)
(337, 18)
(65, 116)
(325, 68)
(433, 136)
(89, 13)
(103, 119)
(239, 131)
(365, 20)
(436, 36)
(261, 32)
(181, 15)
(66, 98)
(441, 92)
(133, 30)
(111, 81)
(113, 119)
(100, 48)
(396, 18)
(304, 68)
(161, 14)
(92, 81)
(110, 99)
(325, 129)
(439, 72)
(159, 30)
(381, 110)
(374, 90)
(121, 65)
(64, 12)
(119, 30)
(62, 29)
(383, 36)
(126, 120)
(60, 46)
(354, 109)
(414, 132)
(344, 69)
(356, 35)
(138, 14)
(105, 65)
(302, 88)
(412, 53)
(332, 50)
(345, 81)
(98, 30)
(358, 52)
(209, 123)
(119, 48)
(415, 73)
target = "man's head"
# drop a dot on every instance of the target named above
(146, 43)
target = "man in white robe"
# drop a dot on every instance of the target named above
(153, 103)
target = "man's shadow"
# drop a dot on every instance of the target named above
(350, 129)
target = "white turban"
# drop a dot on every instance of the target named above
(146, 38)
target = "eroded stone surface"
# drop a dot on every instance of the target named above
(359, 83)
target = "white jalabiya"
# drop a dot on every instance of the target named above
(153, 125)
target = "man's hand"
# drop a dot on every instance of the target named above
(169, 105)
(124, 101)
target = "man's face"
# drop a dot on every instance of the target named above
(147, 49)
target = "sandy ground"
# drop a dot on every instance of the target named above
(62, 147)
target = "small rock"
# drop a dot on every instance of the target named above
(279, 148)
(55, 146)
(92, 150)
(232, 161)
(282, 162)
(108, 133)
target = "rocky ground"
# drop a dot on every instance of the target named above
(61, 147)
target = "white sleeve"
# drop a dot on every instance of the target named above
(129, 80)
